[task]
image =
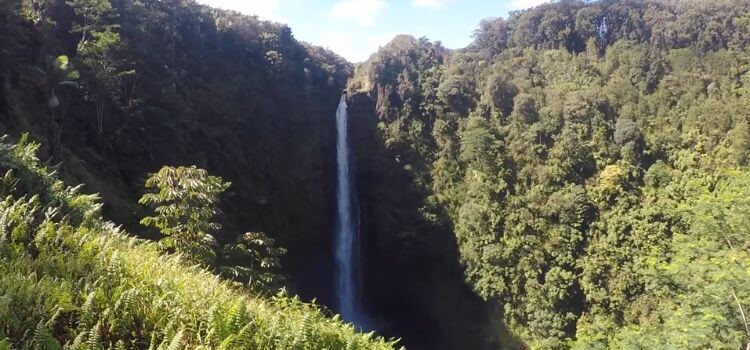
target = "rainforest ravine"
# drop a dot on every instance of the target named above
(177, 176)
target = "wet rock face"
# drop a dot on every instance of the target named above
(360, 106)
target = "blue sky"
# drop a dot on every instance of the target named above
(356, 28)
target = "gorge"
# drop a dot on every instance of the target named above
(575, 178)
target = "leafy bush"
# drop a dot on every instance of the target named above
(185, 200)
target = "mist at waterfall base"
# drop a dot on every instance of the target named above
(347, 249)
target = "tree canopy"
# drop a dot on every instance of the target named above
(579, 152)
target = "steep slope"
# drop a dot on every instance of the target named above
(579, 172)
(412, 279)
(186, 84)
(176, 83)
(67, 277)
(570, 153)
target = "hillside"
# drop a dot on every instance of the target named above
(576, 178)
(114, 91)
(176, 83)
(70, 278)
(182, 84)
(585, 157)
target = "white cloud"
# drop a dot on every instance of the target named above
(524, 4)
(340, 43)
(265, 9)
(353, 50)
(361, 11)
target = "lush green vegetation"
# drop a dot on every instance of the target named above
(591, 161)
(186, 201)
(114, 90)
(583, 167)
(117, 89)
(69, 279)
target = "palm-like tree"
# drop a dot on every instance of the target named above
(57, 72)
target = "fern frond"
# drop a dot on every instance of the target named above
(94, 341)
(5, 344)
(87, 311)
(176, 343)
(43, 339)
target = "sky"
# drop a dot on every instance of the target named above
(355, 29)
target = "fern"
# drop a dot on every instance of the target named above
(87, 311)
(126, 306)
(8, 182)
(94, 341)
(236, 341)
(79, 275)
(5, 344)
(43, 338)
(302, 333)
(53, 320)
(79, 343)
(176, 343)
(152, 342)
(352, 344)
(237, 316)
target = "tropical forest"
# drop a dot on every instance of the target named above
(180, 176)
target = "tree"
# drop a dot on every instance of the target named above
(697, 298)
(98, 50)
(629, 138)
(8, 42)
(740, 142)
(457, 92)
(94, 17)
(107, 72)
(254, 261)
(38, 12)
(185, 201)
(57, 73)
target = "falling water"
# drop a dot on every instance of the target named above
(347, 240)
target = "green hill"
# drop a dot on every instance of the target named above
(585, 158)
(69, 279)
(576, 178)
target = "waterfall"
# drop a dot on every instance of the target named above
(347, 240)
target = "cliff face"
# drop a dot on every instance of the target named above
(196, 86)
(413, 286)
(246, 101)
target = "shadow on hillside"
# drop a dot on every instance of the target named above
(412, 281)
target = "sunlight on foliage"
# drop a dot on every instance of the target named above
(70, 280)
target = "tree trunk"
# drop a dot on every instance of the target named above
(100, 118)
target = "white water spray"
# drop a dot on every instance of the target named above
(347, 235)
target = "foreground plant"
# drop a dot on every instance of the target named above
(69, 279)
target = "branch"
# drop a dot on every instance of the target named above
(744, 319)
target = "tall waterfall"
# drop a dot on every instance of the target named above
(347, 240)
